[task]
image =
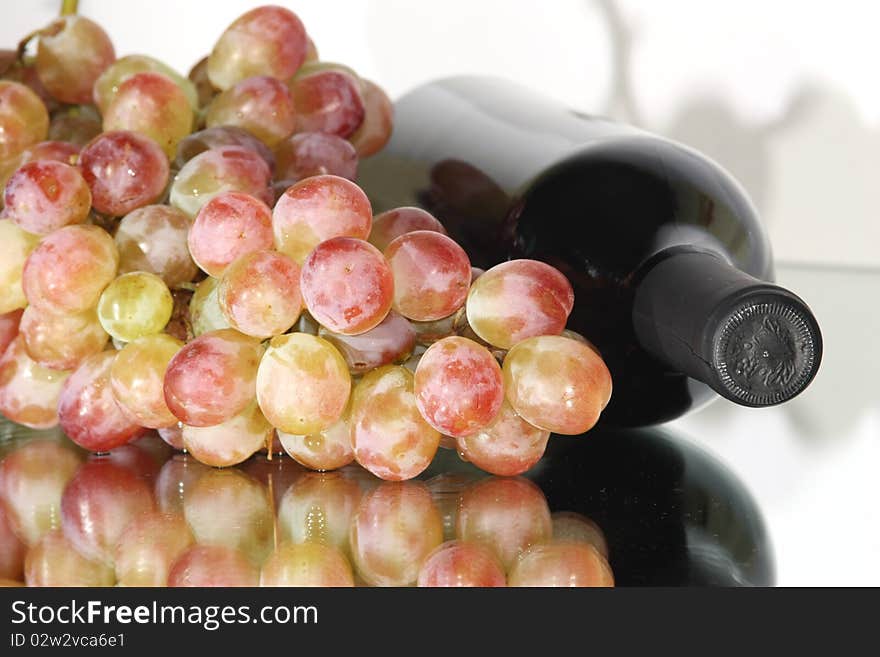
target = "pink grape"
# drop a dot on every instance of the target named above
(556, 383)
(561, 564)
(327, 100)
(72, 52)
(124, 170)
(506, 515)
(61, 341)
(148, 547)
(137, 377)
(9, 327)
(519, 299)
(328, 449)
(24, 120)
(262, 105)
(308, 154)
(54, 561)
(347, 285)
(507, 446)
(212, 378)
(88, 411)
(391, 224)
(70, 268)
(456, 563)
(29, 392)
(318, 508)
(43, 196)
(229, 442)
(218, 170)
(389, 436)
(213, 565)
(307, 564)
(153, 239)
(15, 247)
(231, 224)
(218, 137)
(392, 341)
(108, 84)
(259, 293)
(432, 275)
(458, 386)
(303, 384)
(395, 529)
(57, 151)
(153, 105)
(571, 527)
(375, 130)
(316, 209)
(204, 308)
(267, 40)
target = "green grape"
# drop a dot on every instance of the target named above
(15, 245)
(134, 305)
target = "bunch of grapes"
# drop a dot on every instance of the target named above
(192, 255)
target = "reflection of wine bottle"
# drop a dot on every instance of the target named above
(667, 257)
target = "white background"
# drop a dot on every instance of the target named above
(785, 94)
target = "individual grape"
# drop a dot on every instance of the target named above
(198, 75)
(28, 391)
(24, 120)
(328, 449)
(173, 435)
(432, 275)
(318, 508)
(389, 436)
(99, 503)
(57, 151)
(32, 479)
(259, 293)
(148, 547)
(107, 85)
(87, 408)
(375, 130)
(218, 137)
(571, 527)
(43, 196)
(134, 305)
(307, 564)
(76, 124)
(72, 52)
(153, 239)
(303, 384)
(125, 171)
(456, 563)
(61, 341)
(392, 341)
(506, 447)
(267, 40)
(229, 508)
(519, 299)
(561, 564)
(556, 383)
(458, 386)
(316, 209)
(395, 529)
(204, 308)
(12, 550)
(9, 327)
(229, 442)
(347, 285)
(151, 104)
(327, 100)
(70, 268)
(15, 246)
(213, 565)
(137, 378)
(54, 561)
(506, 515)
(212, 379)
(391, 224)
(308, 154)
(175, 481)
(262, 105)
(218, 170)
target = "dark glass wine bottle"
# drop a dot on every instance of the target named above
(670, 265)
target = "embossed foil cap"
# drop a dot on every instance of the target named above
(753, 342)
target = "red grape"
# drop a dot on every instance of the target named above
(375, 130)
(308, 154)
(28, 391)
(77, 124)
(392, 341)
(457, 563)
(506, 447)
(327, 100)
(561, 564)
(262, 105)
(45, 195)
(391, 224)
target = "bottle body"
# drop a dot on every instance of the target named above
(514, 176)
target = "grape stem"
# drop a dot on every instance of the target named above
(68, 7)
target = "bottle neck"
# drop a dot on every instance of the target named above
(753, 342)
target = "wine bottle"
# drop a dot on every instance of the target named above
(671, 268)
